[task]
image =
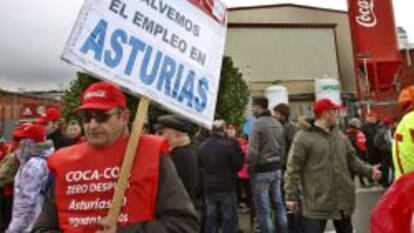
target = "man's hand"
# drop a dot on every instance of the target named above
(292, 206)
(376, 173)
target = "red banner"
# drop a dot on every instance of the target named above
(374, 35)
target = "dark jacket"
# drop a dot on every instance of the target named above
(320, 163)
(220, 160)
(266, 144)
(186, 163)
(290, 132)
(174, 210)
(370, 130)
(60, 140)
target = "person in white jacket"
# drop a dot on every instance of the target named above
(31, 179)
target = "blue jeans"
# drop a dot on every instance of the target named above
(221, 206)
(266, 191)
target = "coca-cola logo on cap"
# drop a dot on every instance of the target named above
(95, 94)
(366, 17)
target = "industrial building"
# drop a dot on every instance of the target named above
(292, 45)
(16, 107)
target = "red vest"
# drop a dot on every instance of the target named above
(85, 178)
(395, 211)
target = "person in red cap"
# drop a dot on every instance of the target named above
(86, 175)
(31, 178)
(54, 131)
(8, 169)
(359, 142)
(320, 162)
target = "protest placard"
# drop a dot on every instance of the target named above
(167, 50)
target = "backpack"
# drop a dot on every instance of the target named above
(381, 142)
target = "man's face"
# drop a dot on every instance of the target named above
(372, 119)
(279, 116)
(170, 134)
(74, 130)
(331, 117)
(255, 109)
(231, 131)
(51, 127)
(102, 128)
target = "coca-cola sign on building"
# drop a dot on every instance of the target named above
(366, 17)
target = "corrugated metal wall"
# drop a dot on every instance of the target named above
(293, 54)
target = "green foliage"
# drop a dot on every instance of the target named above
(233, 94)
(72, 96)
(232, 99)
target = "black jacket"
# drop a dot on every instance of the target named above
(220, 160)
(370, 131)
(60, 140)
(186, 163)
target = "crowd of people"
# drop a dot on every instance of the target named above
(290, 177)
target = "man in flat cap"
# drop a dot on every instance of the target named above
(175, 129)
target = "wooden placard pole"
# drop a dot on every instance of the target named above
(129, 157)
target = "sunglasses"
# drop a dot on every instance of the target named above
(97, 115)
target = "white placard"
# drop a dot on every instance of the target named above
(168, 50)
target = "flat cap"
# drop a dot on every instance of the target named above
(174, 122)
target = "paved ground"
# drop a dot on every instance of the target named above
(366, 200)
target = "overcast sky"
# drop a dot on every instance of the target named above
(33, 34)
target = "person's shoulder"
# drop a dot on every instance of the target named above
(186, 151)
(35, 165)
(310, 135)
(70, 149)
(408, 117)
(302, 134)
(67, 153)
(154, 142)
(260, 121)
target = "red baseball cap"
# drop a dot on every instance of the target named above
(18, 131)
(387, 120)
(35, 132)
(102, 96)
(324, 105)
(52, 114)
(41, 121)
(372, 114)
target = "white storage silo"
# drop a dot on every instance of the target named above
(277, 94)
(328, 88)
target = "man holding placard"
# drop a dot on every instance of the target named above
(86, 175)
(169, 52)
